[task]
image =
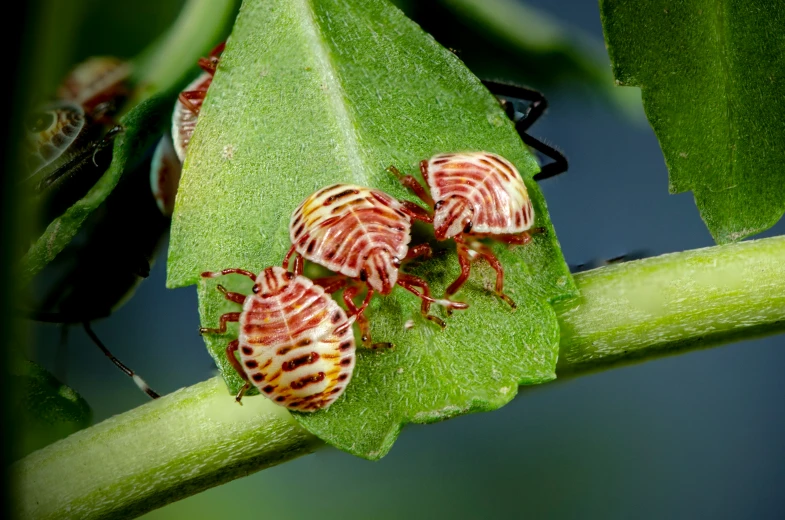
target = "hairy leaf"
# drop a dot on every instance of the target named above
(46, 410)
(713, 81)
(312, 93)
(156, 87)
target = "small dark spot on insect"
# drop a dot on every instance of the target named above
(330, 255)
(343, 377)
(247, 351)
(267, 389)
(295, 404)
(251, 363)
(299, 230)
(258, 377)
(336, 389)
(438, 205)
(468, 227)
(300, 383)
(336, 317)
(304, 342)
(345, 345)
(311, 246)
(396, 261)
(346, 362)
(363, 276)
(280, 398)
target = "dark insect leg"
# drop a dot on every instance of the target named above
(292, 250)
(106, 141)
(412, 183)
(362, 321)
(232, 296)
(488, 255)
(419, 250)
(216, 274)
(225, 318)
(130, 373)
(532, 114)
(231, 350)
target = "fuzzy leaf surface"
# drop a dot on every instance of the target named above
(712, 75)
(312, 93)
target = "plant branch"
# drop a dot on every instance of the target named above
(197, 438)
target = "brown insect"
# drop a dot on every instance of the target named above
(475, 195)
(364, 235)
(295, 343)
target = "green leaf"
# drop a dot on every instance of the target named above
(156, 86)
(713, 81)
(311, 93)
(46, 410)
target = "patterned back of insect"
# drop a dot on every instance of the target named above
(477, 192)
(359, 232)
(96, 80)
(165, 171)
(296, 343)
(184, 117)
(51, 130)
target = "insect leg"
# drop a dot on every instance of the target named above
(362, 321)
(465, 261)
(488, 255)
(415, 212)
(292, 250)
(532, 114)
(409, 282)
(231, 350)
(130, 373)
(331, 284)
(419, 250)
(186, 97)
(412, 183)
(225, 318)
(216, 274)
(232, 296)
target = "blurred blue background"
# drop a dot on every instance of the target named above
(697, 435)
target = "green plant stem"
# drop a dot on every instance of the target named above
(197, 438)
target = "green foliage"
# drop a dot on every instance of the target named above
(311, 93)
(713, 81)
(160, 72)
(46, 410)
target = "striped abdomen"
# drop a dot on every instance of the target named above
(485, 187)
(296, 344)
(183, 119)
(356, 231)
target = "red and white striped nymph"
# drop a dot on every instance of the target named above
(295, 343)
(474, 195)
(363, 234)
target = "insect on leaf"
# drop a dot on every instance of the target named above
(156, 88)
(313, 93)
(712, 76)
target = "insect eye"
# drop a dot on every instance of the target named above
(396, 261)
(363, 276)
(39, 121)
(438, 204)
(468, 227)
(256, 289)
(289, 276)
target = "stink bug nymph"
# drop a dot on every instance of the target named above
(475, 195)
(364, 235)
(295, 343)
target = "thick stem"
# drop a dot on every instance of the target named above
(195, 438)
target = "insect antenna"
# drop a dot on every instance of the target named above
(130, 373)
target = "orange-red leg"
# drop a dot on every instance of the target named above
(298, 261)
(332, 284)
(419, 250)
(225, 318)
(231, 350)
(216, 274)
(488, 255)
(362, 320)
(465, 261)
(232, 296)
(186, 97)
(415, 212)
(411, 282)
(413, 184)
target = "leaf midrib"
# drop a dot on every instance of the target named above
(333, 88)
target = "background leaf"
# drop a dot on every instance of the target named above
(713, 81)
(513, 41)
(294, 107)
(45, 410)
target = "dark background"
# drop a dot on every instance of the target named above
(700, 434)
